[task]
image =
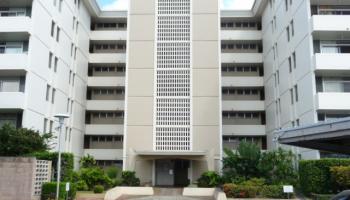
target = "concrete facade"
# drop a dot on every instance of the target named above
(17, 177)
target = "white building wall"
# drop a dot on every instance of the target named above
(281, 112)
(38, 74)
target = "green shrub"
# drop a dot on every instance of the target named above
(48, 191)
(315, 175)
(95, 176)
(341, 176)
(67, 163)
(129, 179)
(81, 185)
(113, 172)
(258, 182)
(87, 162)
(98, 188)
(209, 179)
(240, 191)
(117, 182)
(273, 192)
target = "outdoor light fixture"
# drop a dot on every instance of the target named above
(61, 118)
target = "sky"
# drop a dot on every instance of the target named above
(225, 4)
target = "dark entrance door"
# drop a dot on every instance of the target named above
(181, 173)
(172, 173)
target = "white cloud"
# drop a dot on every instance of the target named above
(116, 5)
(236, 4)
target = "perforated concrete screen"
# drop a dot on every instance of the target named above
(173, 76)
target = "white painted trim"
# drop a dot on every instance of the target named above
(125, 137)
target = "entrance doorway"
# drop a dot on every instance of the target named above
(172, 173)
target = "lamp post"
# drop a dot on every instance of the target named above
(61, 118)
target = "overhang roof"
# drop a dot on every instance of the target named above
(333, 136)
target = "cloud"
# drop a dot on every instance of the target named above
(236, 4)
(116, 5)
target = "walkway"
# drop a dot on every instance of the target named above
(165, 194)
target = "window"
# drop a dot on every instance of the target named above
(71, 49)
(53, 95)
(73, 79)
(290, 64)
(294, 60)
(71, 106)
(55, 64)
(70, 76)
(48, 87)
(8, 84)
(288, 34)
(60, 5)
(291, 96)
(77, 28)
(286, 4)
(278, 76)
(58, 34)
(53, 24)
(75, 53)
(296, 93)
(73, 25)
(51, 126)
(50, 59)
(292, 27)
(45, 125)
(67, 108)
(11, 47)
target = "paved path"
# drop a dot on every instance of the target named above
(166, 194)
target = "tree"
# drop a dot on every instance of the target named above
(243, 163)
(22, 141)
(277, 167)
(87, 161)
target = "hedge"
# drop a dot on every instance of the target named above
(250, 191)
(67, 163)
(48, 191)
(341, 176)
(315, 175)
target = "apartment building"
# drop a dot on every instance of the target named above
(162, 88)
(43, 66)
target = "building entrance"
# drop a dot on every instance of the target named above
(172, 173)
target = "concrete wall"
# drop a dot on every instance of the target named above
(277, 51)
(17, 178)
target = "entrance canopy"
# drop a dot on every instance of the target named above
(331, 136)
(188, 155)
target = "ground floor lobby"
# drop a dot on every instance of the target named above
(161, 170)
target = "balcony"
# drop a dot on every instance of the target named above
(241, 58)
(249, 130)
(11, 62)
(12, 100)
(106, 81)
(108, 35)
(333, 101)
(15, 24)
(107, 58)
(250, 35)
(325, 26)
(104, 129)
(252, 81)
(334, 62)
(105, 154)
(243, 105)
(105, 105)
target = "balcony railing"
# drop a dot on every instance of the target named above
(330, 10)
